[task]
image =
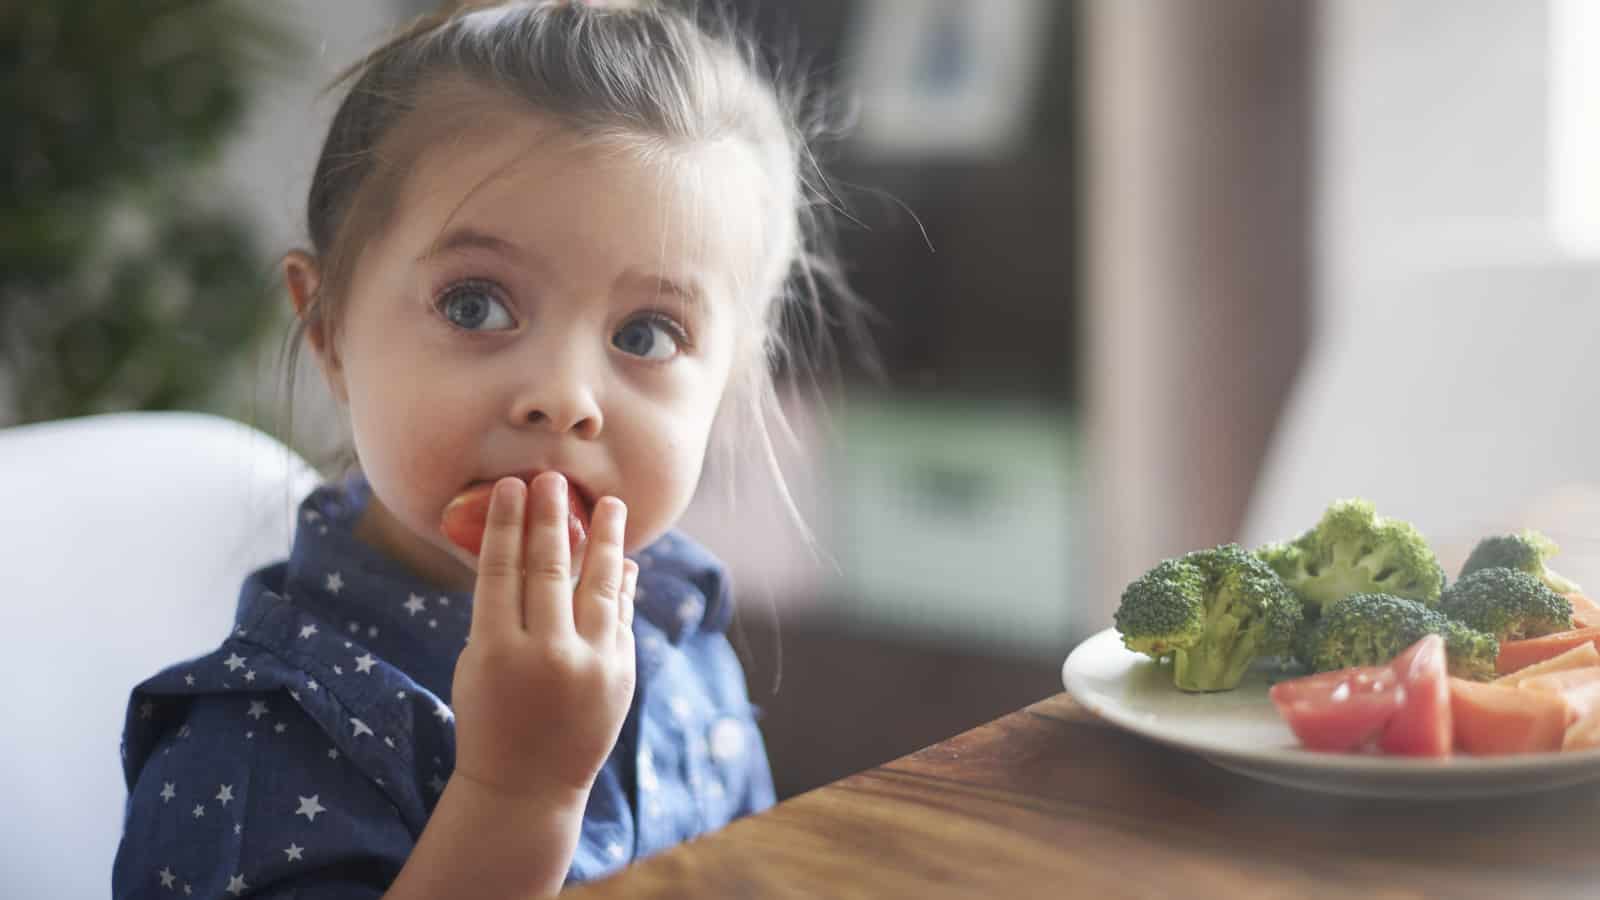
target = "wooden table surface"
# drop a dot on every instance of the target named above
(1051, 802)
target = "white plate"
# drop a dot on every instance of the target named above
(1240, 730)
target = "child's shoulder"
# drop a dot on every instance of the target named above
(683, 588)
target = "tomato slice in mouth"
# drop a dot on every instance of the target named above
(466, 518)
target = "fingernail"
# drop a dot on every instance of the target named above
(506, 489)
(555, 490)
(615, 513)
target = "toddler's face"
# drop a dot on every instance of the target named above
(536, 305)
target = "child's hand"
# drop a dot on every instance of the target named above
(547, 676)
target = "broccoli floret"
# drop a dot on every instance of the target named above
(1212, 612)
(1353, 550)
(1525, 551)
(1509, 604)
(1372, 629)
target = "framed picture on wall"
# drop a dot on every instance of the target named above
(951, 78)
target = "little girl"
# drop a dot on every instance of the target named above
(549, 248)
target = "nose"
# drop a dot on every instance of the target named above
(560, 399)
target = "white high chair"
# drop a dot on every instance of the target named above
(124, 539)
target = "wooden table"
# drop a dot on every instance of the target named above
(1051, 802)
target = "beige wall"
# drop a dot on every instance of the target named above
(1196, 147)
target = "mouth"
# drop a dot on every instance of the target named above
(465, 518)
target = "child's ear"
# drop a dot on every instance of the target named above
(304, 278)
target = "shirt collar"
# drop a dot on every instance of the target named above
(374, 600)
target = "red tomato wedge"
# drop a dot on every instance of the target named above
(1582, 656)
(1339, 711)
(1496, 720)
(1422, 725)
(1585, 612)
(1516, 655)
(466, 518)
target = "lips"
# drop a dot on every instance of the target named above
(465, 518)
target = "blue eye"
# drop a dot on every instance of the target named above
(472, 306)
(652, 337)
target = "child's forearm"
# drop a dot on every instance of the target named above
(482, 843)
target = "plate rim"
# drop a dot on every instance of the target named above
(1363, 767)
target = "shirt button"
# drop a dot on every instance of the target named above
(727, 740)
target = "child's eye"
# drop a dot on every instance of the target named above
(654, 337)
(473, 306)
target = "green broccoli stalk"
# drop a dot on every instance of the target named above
(1212, 613)
(1507, 603)
(1353, 550)
(1372, 629)
(1525, 551)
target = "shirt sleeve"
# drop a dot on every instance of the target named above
(244, 794)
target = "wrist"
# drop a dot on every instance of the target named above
(550, 799)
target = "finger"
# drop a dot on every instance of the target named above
(547, 562)
(630, 585)
(594, 602)
(497, 594)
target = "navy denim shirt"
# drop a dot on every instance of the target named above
(303, 757)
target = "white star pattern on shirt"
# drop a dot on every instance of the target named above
(690, 609)
(237, 828)
(236, 885)
(333, 753)
(188, 680)
(308, 631)
(199, 811)
(647, 771)
(311, 685)
(443, 712)
(727, 740)
(167, 877)
(338, 670)
(359, 728)
(679, 707)
(293, 851)
(309, 807)
(415, 605)
(335, 582)
(250, 675)
(187, 889)
(444, 601)
(312, 515)
(257, 709)
(225, 793)
(167, 793)
(364, 663)
(234, 662)
(146, 709)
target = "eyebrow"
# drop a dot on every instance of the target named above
(686, 292)
(466, 238)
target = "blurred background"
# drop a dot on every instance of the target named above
(1153, 275)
